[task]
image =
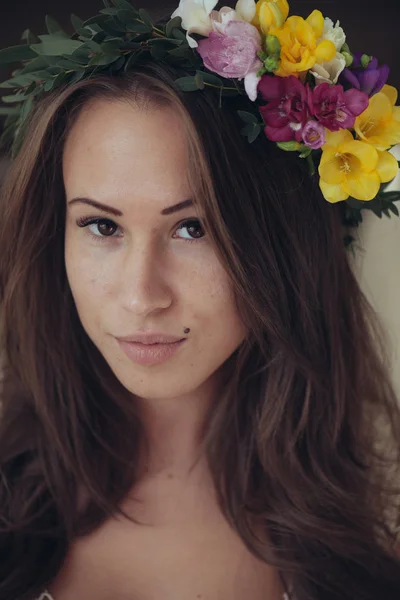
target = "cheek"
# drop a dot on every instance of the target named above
(88, 279)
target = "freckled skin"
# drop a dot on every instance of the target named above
(147, 275)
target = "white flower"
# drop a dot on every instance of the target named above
(243, 11)
(330, 70)
(334, 33)
(199, 16)
(195, 15)
(246, 10)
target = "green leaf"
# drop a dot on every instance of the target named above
(305, 153)
(289, 146)
(16, 54)
(109, 11)
(77, 76)
(57, 47)
(251, 131)
(187, 84)
(179, 34)
(247, 117)
(199, 80)
(20, 81)
(125, 5)
(77, 22)
(390, 196)
(212, 79)
(30, 37)
(104, 59)
(176, 22)
(394, 209)
(146, 18)
(53, 27)
(13, 98)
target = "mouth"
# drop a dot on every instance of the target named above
(150, 354)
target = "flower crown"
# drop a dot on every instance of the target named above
(311, 94)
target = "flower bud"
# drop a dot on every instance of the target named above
(271, 64)
(272, 45)
(348, 58)
(365, 60)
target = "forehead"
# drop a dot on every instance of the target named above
(118, 153)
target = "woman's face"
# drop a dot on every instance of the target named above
(138, 269)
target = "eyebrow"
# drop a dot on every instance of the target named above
(114, 211)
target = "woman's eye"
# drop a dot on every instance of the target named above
(193, 226)
(105, 228)
(102, 228)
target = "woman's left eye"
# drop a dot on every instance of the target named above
(106, 228)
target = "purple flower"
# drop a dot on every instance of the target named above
(369, 80)
(232, 53)
(313, 134)
(287, 110)
(336, 109)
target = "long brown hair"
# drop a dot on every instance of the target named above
(304, 444)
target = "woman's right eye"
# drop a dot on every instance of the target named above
(105, 227)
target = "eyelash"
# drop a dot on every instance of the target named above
(86, 221)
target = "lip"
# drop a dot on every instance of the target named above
(149, 354)
(149, 338)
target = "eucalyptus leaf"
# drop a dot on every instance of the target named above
(187, 83)
(30, 37)
(125, 5)
(20, 81)
(104, 59)
(146, 18)
(247, 117)
(53, 27)
(16, 54)
(212, 79)
(57, 47)
(137, 27)
(13, 98)
(176, 22)
(199, 80)
(76, 22)
(77, 76)
(179, 34)
(109, 11)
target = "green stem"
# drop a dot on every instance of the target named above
(311, 165)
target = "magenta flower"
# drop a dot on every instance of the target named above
(336, 109)
(313, 134)
(233, 53)
(287, 108)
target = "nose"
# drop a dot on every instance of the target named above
(143, 284)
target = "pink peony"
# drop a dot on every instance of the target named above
(336, 109)
(287, 110)
(232, 53)
(313, 134)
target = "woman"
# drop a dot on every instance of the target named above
(252, 453)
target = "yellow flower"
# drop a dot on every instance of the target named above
(299, 48)
(379, 124)
(270, 12)
(349, 167)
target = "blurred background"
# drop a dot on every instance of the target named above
(371, 26)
